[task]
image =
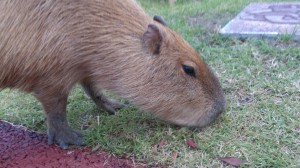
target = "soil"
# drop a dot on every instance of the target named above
(210, 24)
(20, 147)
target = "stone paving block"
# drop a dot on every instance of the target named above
(266, 19)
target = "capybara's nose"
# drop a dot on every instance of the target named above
(219, 107)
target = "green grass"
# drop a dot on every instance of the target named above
(261, 79)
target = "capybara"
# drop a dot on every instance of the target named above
(47, 46)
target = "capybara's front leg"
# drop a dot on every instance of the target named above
(107, 104)
(58, 129)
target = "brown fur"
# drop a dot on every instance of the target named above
(47, 46)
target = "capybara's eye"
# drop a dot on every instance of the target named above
(189, 70)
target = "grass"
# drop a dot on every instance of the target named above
(261, 79)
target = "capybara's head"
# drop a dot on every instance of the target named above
(173, 81)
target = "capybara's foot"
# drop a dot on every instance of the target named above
(59, 132)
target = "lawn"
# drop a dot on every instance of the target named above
(261, 80)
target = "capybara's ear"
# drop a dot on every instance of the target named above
(160, 20)
(153, 38)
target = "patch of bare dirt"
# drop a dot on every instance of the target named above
(209, 24)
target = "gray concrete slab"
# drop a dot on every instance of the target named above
(266, 19)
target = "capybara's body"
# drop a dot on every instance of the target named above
(47, 46)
